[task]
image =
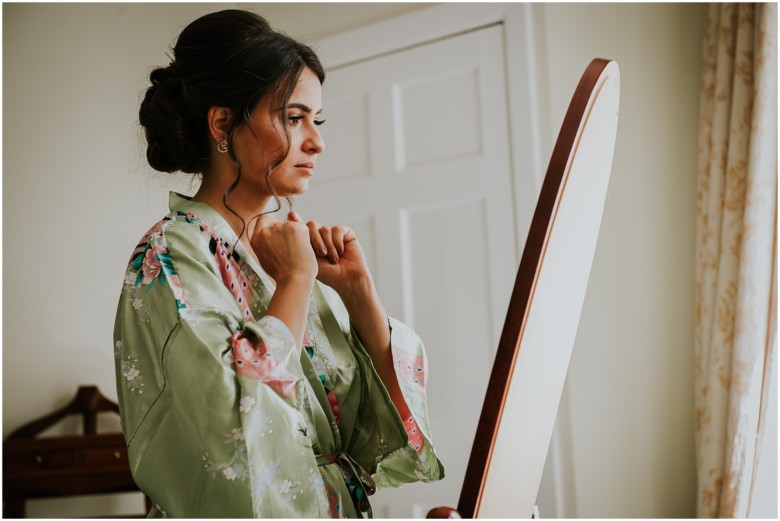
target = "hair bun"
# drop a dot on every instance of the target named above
(171, 144)
(162, 75)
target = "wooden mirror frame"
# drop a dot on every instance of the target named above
(581, 161)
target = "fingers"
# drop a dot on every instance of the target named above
(290, 228)
(294, 230)
(341, 235)
(316, 240)
(322, 236)
(327, 241)
(283, 248)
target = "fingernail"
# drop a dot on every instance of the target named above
(324, 251)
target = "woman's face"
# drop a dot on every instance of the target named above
(259, 143)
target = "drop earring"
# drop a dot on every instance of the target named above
(222, 147)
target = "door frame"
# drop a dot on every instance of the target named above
(530, 131)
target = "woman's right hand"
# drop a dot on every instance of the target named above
(284, 250)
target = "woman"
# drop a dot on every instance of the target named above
(257, 372)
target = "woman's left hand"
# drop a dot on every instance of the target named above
(340, 259)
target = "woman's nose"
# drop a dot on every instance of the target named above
(314, 143)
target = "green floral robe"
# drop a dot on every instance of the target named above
(223, 417)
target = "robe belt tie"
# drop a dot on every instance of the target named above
(361, 486)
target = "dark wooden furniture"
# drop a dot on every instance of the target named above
(60, 466)
(528, 276)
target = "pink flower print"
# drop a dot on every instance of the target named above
(411, 370)
(334, 501)
(232, 277)
(175, 283)
(256, 362)
(334, 405)
(178, 291)
(151, 266)
(415, 436)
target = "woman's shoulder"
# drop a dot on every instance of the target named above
(178, 231)
(174, 242)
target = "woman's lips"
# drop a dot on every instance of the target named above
(308, 168)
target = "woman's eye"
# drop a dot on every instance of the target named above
(294, 119)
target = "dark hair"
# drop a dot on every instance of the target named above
(230, 58)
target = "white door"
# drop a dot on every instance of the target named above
(417, 163)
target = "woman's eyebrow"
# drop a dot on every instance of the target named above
(301, 106)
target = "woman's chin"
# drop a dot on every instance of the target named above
(299, 189)
(290, 189)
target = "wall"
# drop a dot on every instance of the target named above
(77, 195)
(629, 392)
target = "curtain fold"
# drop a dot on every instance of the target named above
(735, 331)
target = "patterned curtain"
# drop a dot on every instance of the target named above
(736, 342)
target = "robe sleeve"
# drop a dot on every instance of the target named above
(211, 404)
(417, 460)
(394, 450)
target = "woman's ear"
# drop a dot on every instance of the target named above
(219, 122)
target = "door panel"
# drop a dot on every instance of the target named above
(449, 101)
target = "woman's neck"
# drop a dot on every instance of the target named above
(243, 208)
